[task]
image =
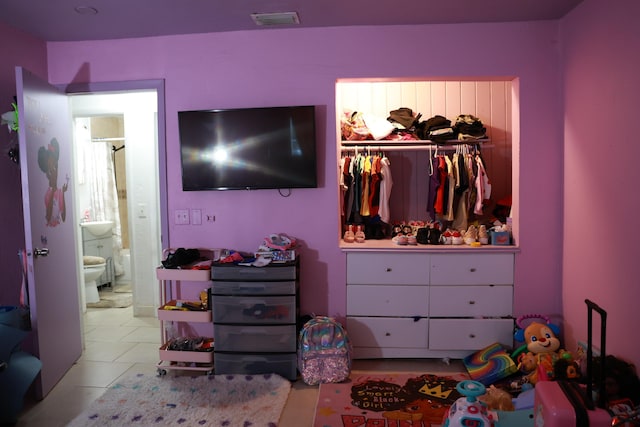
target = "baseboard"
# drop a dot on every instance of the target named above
(144, 311)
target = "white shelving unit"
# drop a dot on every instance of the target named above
(169, 280)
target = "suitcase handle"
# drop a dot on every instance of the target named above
(591, 307)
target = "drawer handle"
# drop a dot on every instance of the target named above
(387, 334)
(471, 302)
(389, 269)
(473, 270)
(472, 335)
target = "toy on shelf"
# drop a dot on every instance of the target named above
(468, 410)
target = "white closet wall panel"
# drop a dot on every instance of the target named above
(485, 99)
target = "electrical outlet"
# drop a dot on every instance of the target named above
(142, 210)
(181, 216)
(211, 218)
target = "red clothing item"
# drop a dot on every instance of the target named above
(374, 188)
(442, 175)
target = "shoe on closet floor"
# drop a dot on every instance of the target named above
(349, 236)
(400, 239)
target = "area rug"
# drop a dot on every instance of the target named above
(387, 400)
(216, 400)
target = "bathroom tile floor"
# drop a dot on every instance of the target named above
(118, 344)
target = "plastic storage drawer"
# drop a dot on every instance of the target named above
(254, 309)
(253, 288)
(285, 365)
(255, 338)
(274, 272)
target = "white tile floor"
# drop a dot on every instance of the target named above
(117, 344)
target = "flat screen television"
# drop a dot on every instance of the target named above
(248, 148)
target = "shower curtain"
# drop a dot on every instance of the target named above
(97, 171)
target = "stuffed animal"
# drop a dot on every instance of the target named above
(541, 338)
(497, 399)
(541, 345)
(528, 365)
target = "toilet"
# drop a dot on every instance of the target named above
(93, 266)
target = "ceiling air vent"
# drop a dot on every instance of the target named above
(274, 19)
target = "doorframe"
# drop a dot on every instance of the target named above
(134, 86)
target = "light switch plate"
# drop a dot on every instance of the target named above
(196, 216)
(181, 216)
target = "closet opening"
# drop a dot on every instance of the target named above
(494, 102)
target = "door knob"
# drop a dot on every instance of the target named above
(40, 252)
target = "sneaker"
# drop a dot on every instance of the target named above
(349, 236)
(400, 239)
(483, 235)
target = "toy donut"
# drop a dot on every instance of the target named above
(524, 317)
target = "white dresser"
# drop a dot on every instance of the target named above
(422, 304)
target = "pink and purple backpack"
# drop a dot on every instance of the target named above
(324, 351)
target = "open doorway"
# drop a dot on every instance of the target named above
(138, 148)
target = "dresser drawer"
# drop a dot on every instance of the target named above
(254, 274)
(285, 365)
(381, 300)
(472, 269)
(469, 334)
(470, 301)
(254, 309)
(385, 268)
(255, 338)
(387, 332)
(253, 288)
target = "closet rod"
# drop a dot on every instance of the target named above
(404, 147)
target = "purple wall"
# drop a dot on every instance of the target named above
(16, 48)
(279, 67)
(601, 231)
(593, 237)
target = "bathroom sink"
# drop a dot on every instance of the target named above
(97, 228)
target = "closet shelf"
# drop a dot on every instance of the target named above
(414, 145)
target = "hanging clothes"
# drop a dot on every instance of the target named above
(432, 187)
(374, 187)
(344, 182)
(442, 183)
(457, 188)
(451, 188)
(483, 186)
(461, 218)
(386, 185)
(366, 182)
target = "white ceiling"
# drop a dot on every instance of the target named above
(57, 20)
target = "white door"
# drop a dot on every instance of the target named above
(46, 169)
